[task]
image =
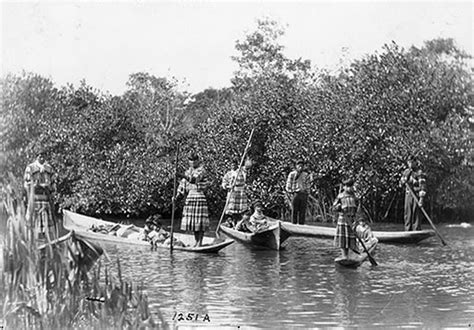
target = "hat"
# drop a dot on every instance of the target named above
(193, 157)
(348, 182)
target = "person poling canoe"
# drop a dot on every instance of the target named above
(408, 178)
(348, 206)
(195, 212)
(234, 181)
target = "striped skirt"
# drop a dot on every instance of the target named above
(237, 201)
(345, 237)
(195, 212)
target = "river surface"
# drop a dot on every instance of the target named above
(423, 285)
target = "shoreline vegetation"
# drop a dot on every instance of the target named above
(114, 154)
(62, 286)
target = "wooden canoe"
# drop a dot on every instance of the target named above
(355, 260)
(81, 225)
(271, 238)
(401, 237)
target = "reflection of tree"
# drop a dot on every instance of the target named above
(347, 289)
(195, 275)
(253, 277)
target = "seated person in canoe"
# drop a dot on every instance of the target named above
(255, 222)
(153, 230)
(244, 224)
(156, 234)
(364, 232)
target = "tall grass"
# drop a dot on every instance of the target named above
(54, 284)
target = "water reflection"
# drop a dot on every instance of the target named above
(425, 285)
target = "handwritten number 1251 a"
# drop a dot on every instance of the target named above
(190, 317)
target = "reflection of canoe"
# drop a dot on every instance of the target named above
(383, 236)
(81, 224)
(269, 238)
(355, 260)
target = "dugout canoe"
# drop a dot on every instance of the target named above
(270, 238)
(81, 225)
(400, 237)
(355, 260)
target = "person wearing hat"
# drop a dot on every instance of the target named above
(298, 184)
(347, 206)
(195, 213)
(234, 182)
(39, 186)
(408, 178)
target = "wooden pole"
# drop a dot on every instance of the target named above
(173, 201)
(390, 205)
(426, 214)
(371, 259)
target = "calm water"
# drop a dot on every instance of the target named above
(424, 285)
(414, 285)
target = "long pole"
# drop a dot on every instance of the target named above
(234, 180)
(173, 201)
(371, 259)
(390, 205)
(426, 214)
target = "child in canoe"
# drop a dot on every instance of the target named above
(254, 222)
(156, 234)
(364, 232)
(244, 224)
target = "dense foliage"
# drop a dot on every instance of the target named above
(115, 154)
(54, 285)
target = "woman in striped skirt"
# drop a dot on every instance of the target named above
(195, 212)
(234, 182)
(347, 204)
(39, 186)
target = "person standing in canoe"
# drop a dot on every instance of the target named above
(195, 213)
(298, 184)
(408, 178)
(236, 195)
(39, 186)
(347, 206)
(419, 187)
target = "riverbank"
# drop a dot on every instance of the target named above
(58, 286)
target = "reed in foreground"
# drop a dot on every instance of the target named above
(54, 284)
